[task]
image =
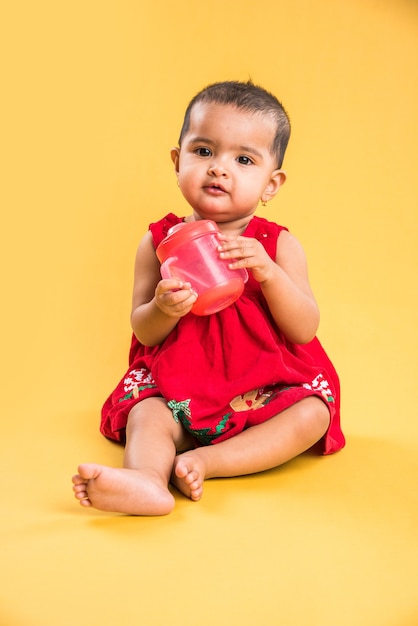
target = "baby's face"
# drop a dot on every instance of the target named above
(224, 164)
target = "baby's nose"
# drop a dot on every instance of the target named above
(217, 169)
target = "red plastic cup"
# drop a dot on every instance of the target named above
(189, 253)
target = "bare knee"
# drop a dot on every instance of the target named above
(150, 410)
(153, 414)
(315, 415)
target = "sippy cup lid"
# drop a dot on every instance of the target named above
(182, 233)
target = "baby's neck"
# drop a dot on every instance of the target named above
(233, 229)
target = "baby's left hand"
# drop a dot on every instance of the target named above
(246, 252)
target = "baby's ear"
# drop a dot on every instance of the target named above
(278, 178)
(175, 156)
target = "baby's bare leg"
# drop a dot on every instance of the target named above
(141, 486)
(256, 449)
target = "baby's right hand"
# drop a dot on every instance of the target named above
(174, 297)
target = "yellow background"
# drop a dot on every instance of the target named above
(93, 95)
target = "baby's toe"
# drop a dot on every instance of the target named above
(191, 478)
(79, 482)
(196, 494)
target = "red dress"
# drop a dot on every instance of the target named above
(225, 372)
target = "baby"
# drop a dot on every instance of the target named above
(242, 390)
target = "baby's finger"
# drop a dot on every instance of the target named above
(236, 250)
(177, 303)
(171, 284)
(181, 296)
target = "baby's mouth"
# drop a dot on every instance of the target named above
(215, 188)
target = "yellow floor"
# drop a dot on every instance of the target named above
(320, 541)
(93, 98)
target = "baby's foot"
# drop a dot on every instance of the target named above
(189, 473)
(135, 492)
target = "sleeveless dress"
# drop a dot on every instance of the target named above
(225, 372)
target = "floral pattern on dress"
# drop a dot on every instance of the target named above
(137, 380)
(251, 400)
(321, 384)
(181, 412)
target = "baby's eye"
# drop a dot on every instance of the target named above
(244, 160)
(203, 152)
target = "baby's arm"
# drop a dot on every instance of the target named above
(285, 284)
(157, 305)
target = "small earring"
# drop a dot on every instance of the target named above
(263, 203)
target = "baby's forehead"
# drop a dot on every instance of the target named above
(205, 107)
(210, 112)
